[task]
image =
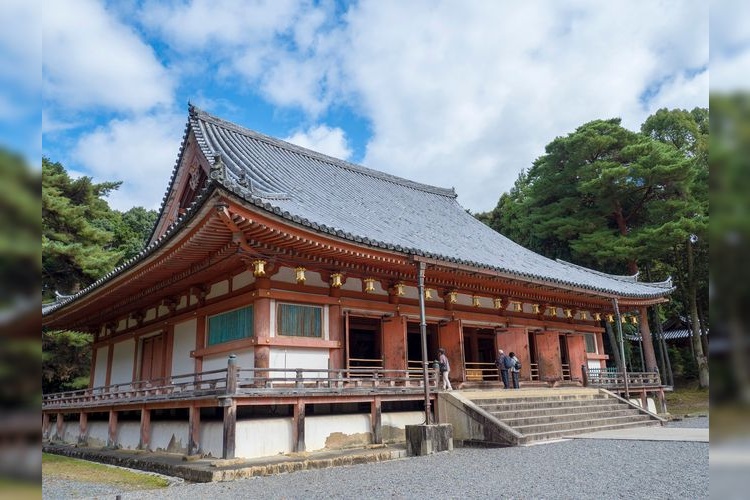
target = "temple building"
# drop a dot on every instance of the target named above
(276, 307)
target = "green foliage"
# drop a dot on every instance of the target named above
(66, 360)
(82, 239)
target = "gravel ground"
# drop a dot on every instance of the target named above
(577, 469)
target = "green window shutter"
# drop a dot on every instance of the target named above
(590, 342)
(232, 325)
(299, 321)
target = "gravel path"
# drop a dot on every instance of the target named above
(577, 469)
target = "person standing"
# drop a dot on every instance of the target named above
(500, 363)
(515, 368)
(445, 368)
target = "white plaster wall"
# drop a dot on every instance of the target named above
(287, 275)
(122, 362)
(212, 438)
(129, 434)
(98, 432)
(150, 314)
(594, 364)
(121, 324)
(162, 311)
(100, 369)
(169, 435)
(314, 279)
(243, 279)
(400, 420)
(650, 404)
(263, 437)
(295, 357)
(245, 360)
(352, 284)
(183, 302)
(317, 429)
(184, 342)
(218, 289)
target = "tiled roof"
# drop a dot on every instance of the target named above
(378, 209)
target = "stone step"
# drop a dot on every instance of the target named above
(530, 405)
(589, 423)
(504, 413)
(546, 436)
(569, 398)
(518, 422)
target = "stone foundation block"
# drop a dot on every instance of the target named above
(428, 439)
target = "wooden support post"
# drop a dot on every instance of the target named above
(230, 410)
(112, 430)
(145, 441)
(298, 426)
(194, 430)
(83, 428)
(644, 399)
(585, 375)
(59, 433)
(45, 426)
(230, 428)
(376, 416)
(662, 400)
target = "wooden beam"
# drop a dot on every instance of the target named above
(230, 429)
(376, 416)
(298, 427)
(145, 442)
(194, 430)
(83, 428)
(112, 429)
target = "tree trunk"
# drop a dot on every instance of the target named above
(700, 357)
(615, 345)
(622, 226)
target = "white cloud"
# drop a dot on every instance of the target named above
(470, 95)
(93, 60)
(140, 152)
(324, 139)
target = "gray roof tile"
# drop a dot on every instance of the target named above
(380, 209)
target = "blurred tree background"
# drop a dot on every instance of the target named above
(625, 202)
(82, 239)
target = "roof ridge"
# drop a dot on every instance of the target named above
(199, 114)
(620, 277)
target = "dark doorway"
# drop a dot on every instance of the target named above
(414, 344)
(564, 358)
(365, 342)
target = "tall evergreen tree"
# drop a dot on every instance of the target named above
(76, 246)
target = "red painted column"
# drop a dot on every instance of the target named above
(577, 354)
(145, 441)
(194, 430)
(112, 430)
(336, 333)
(59, 427)
(83, 428)
(45, 426)
(262, 330)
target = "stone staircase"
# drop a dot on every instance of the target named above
(520, 417)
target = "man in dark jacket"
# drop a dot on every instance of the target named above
(502, 365)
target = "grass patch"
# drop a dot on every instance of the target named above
(61, 467)
(689, 401)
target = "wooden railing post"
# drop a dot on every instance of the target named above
(299, 380)
(232, 374)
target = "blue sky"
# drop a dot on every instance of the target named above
(460, 94)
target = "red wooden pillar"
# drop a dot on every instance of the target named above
(112, 429)
(376, 416)
(336, 333)
(194, 430)
(262, 330)
(59, 433)
(83, 428)
(45, 426)
(230, 428)
(145, 441)
(298, 426)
